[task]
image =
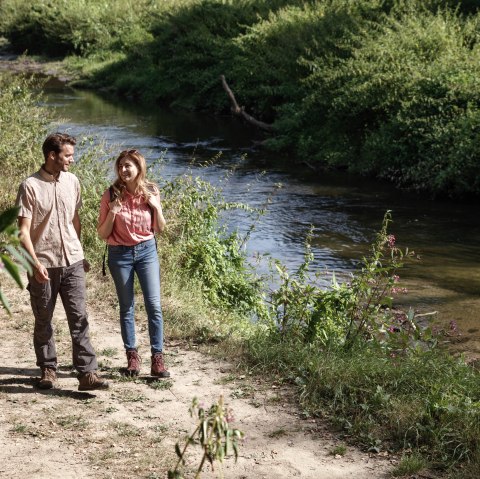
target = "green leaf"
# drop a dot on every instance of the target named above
(8, 217)
(12, 268)
(5, 302)
(24, 259)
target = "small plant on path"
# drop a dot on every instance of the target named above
(214, 435)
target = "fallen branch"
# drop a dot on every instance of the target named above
(240, 111)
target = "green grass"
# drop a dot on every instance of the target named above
(338, 450)
(409, 465)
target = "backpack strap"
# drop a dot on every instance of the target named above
(104, 269)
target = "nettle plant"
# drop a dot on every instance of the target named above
(213, 434)
(352, 313)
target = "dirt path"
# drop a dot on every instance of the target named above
(130, 430)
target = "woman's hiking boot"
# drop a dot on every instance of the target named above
(133, 363)
(90, 381)
(48, 379)
(158, 366)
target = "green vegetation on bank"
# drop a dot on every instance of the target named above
(380, 87)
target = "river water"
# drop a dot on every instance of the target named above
(345, 210)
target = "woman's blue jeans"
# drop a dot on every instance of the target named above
(142, 259)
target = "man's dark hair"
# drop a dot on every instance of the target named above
(55, 142)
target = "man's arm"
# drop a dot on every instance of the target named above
(78, 228)
(77, 224)
(39, 271)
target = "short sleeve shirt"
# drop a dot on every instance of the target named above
(133, 224)
(51, 203)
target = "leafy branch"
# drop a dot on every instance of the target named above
(212, 433)
(12, 253)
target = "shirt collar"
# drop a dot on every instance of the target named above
(47, 176)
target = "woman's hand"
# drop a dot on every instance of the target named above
(158, 219)
(154, 201)
(115, 206)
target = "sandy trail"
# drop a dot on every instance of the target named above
(131, 429)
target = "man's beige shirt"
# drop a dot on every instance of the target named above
(51, 203)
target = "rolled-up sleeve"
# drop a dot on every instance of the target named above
(25, 201)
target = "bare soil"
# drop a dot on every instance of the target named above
(131, 429)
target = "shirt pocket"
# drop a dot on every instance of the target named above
(42, 209)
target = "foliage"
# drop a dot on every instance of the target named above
(23, 125)
(381, 87)
(405, 103)
(11, 252)
(199, 245)
(93, 170)
(409, 464)
(348, 314)
(212, 433)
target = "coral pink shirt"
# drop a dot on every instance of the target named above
(133, 224)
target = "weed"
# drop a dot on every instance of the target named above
(338, 450)
(161, 385)
(213, 434)
(71, 422)
(226, 379)
(410, 465)
(109, 352)
(124, 429)
(19, 428)
(278, 433)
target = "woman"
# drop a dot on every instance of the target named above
(130, 215)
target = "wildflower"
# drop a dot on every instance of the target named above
(395, 278)
(453, 326)
(391, 241)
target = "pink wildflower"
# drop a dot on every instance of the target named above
(391, 240)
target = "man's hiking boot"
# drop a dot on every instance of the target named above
(48, 379)
(158, 366)
(134, 362)
(90, 381)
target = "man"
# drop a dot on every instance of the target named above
(50, 227)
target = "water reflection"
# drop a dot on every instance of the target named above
(345, 210)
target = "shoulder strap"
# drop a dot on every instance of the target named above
(104, 269)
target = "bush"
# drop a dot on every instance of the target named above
(23, 126)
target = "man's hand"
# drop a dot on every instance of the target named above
(40, 273)
(86, 266)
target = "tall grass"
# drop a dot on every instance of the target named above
(23, 125)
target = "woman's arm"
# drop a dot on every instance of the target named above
(158, 218)
(106, 221)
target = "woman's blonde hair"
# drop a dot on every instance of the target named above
(144, 186)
